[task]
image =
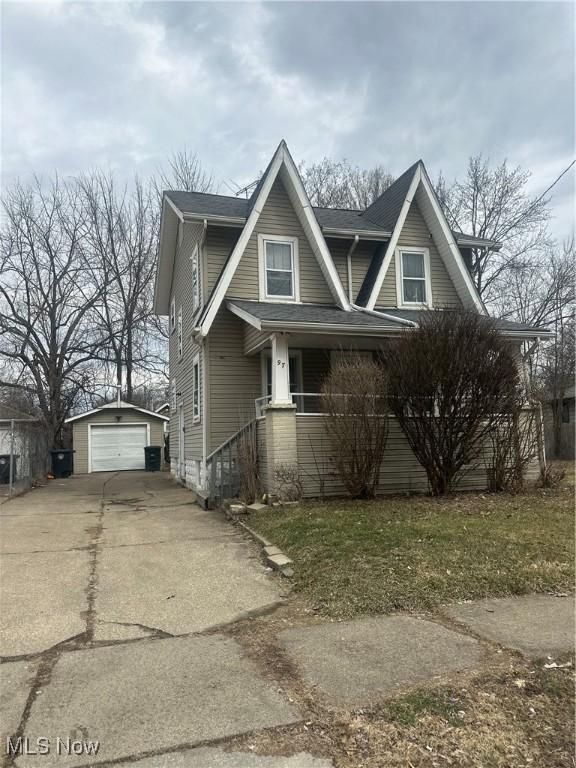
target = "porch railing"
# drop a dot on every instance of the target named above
(223, 471)
(306, 402)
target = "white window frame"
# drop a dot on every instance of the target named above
(293, 243)
(196, 412)
(172, 314)
(173, 396)
(425, 252)
(180, 333)
(195, 259)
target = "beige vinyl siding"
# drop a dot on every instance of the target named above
(415, 234)
(181, 368)
(338, 250)
(220, 242)
(400, 472)
(235, 380)
(361, 259)
(110, 416)
(252, 337)
(278, 217)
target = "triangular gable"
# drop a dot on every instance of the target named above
(122, 406)
(281, 164)
(421, 190)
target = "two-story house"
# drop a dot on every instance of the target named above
(262, 293)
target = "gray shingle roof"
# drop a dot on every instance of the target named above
(204, 204)
(209, 205)
(314, 314)
(503, 325)
(238, 208)
(385, 210)
(327, 314)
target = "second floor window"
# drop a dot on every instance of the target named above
(278, 268)
(173, 395)
(172, 315)
(413, 277)
(195, 279)
(180, 333)
(196, 388)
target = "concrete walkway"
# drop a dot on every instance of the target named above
(118, 603)
(107, 579)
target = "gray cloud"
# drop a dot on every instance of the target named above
(121, 85)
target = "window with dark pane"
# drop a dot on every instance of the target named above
(279, 269)
(413, 278)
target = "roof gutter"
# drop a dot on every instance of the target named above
(364, 233)
(478, 243)
(223, 221)
(357, 330)
(384, 316)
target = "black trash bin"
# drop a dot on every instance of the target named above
(5, 468)
(153, 458)
(62, 462)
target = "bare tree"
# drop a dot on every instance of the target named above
(49, 342)
(121, 237)
(449, 381)
(511, 446)
(492, 203)
(354, 403)
(557, 369)
(338, 184)
(183, 172)
(538, 291)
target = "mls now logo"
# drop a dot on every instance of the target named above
(22, 745)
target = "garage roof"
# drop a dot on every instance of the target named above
(115, 406)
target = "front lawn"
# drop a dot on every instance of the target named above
(415, 553)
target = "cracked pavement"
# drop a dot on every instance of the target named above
(113, 587)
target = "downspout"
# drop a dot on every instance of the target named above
(393, 318)
(349, 266)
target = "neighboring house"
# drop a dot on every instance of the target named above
(164, 410)
(561, 445)
(21, 437)
(13, 439)
(261, 294)
(113, 437)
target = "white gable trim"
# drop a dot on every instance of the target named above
(312, 230)
(114, 406)
(456, 265)
(453, 261)
(246, 316)
(281, 161)
(393, 240)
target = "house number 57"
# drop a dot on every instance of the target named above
(281, 362)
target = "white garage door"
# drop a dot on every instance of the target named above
(117, 446)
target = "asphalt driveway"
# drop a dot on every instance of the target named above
(111, 589)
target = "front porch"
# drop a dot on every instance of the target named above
(292, 350)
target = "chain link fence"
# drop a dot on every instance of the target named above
(24, 455)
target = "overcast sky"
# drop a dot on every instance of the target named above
(121, 85)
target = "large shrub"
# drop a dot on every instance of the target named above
(450, 381)
(355, 406)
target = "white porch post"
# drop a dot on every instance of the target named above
(280, 414)
(280, 371)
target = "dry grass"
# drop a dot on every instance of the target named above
(521, 717)
(414, 553)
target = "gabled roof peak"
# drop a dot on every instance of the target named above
(384, 211)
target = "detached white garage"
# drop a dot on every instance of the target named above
(113, 437)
